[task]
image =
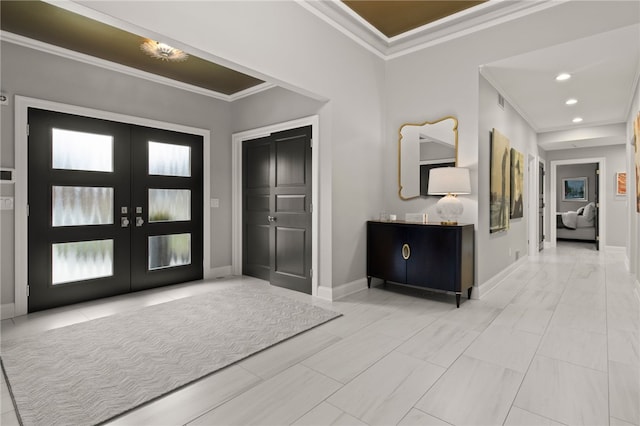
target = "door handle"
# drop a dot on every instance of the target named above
(271, 218)
(124, 222)
(139, 221)
(406, 251)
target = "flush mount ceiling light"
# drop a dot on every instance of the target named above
(162, 51)
(577, 119)
(563, 76)
(571, 101)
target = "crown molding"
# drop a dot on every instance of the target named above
(112, 66)
(486, 15)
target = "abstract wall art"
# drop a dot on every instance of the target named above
(517, 184)
(499, 182)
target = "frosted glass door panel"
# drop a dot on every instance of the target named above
(166, 251)
(167, 159)
(166, 205)
(82, 205)
(81, 260)
(82, 151)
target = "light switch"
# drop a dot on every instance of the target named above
(215, 203)
(6, 203)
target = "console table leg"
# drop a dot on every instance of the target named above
(369, 282)
(457, 300)
(469, 292)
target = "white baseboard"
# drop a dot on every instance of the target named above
(335, 293)
(483, 289)
(615, 249)
(219, 272)
(7, 310)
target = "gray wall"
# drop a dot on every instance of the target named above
(617, 215)
(272, 106)
(505, 246)
(40, 75)
(574, 171)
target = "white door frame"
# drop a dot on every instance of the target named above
(532, 206)
(22, 103)
(236, 190)
(602, 195)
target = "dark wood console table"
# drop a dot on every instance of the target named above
(423, 255)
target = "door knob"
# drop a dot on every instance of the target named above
(124, 222)
(271, 218)
(139, 221)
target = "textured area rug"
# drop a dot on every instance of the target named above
(90, 372)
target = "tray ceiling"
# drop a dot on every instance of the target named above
(53, 25)
(393, 18)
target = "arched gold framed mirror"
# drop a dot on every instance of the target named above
(424, 145)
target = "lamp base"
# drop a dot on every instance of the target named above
(449, 208)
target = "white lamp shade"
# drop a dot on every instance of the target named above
(449, 180)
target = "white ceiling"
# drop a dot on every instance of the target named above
(604, 70)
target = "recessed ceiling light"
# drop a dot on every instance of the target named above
(562, 77)
(577, 119)
(571, 101)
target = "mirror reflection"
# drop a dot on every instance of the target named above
(422, 147)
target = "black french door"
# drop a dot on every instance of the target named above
(113, 208)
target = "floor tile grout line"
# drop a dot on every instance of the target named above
(377, 361)
(524, 376)
(606, 323)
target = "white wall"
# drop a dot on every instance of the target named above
(505, 246)
(272, 106)
(615, 207)
(633, 248)
(40, 75)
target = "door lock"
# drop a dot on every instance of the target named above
(139, 221)
(271, 218)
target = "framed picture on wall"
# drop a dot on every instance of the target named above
(636, 132)
(517, 184)
(499, 182)
(575, 189)
(621, 183)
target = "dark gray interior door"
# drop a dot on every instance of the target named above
(540, 206)
(277, 209)
(290, 251)
(256, 209)
(597, 209)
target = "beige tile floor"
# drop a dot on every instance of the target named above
(556, 343)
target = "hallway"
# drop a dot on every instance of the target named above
(557, 342)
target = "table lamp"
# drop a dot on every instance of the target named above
(449, 181)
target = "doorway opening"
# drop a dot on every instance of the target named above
(576, 184)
